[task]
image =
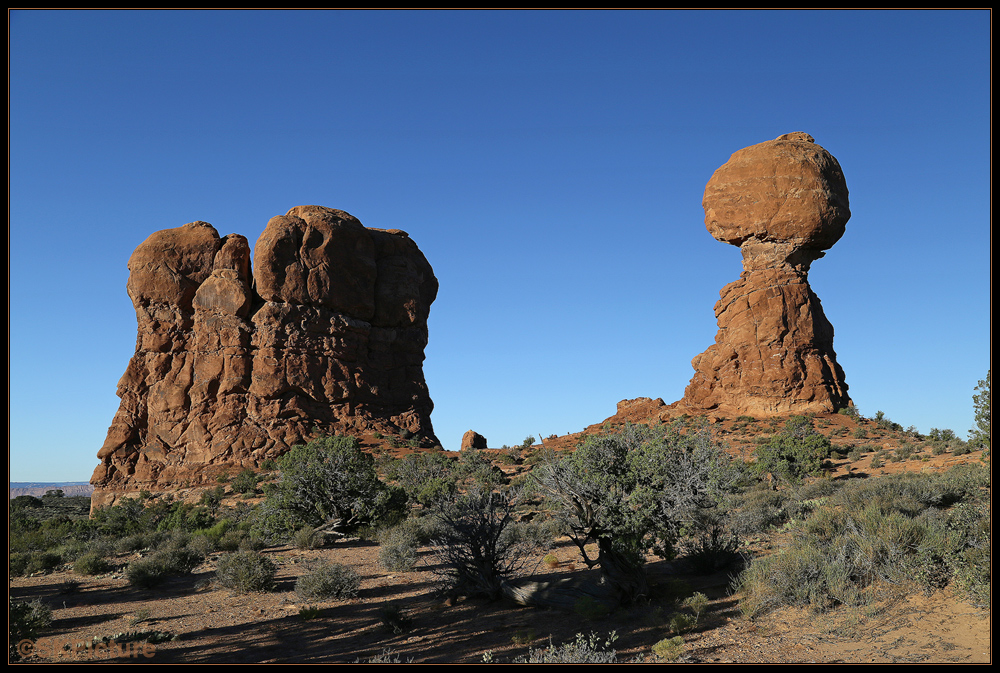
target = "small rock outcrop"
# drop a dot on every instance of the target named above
(783, 202)
(473, 440)
(236, 363)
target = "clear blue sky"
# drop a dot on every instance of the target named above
(550, 165)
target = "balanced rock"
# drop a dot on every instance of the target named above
(473, 440)
(233, 367)
(783, 202)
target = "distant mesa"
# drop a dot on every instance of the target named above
(235, 363)
(783, 202)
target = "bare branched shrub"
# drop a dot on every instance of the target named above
(476, 550)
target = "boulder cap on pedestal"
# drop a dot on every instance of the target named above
(787, 190)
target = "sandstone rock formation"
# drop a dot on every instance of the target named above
(473, 440)
(783, 202)
(232, 367)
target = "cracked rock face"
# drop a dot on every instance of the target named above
(234, 366)
(783, 202)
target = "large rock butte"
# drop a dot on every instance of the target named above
(783, 202)
(234, 367)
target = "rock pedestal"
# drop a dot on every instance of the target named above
(783, 202)
(231, 367)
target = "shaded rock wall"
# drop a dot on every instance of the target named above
(232, 367)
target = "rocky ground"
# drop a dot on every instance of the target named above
(191, 619)
(200, 622)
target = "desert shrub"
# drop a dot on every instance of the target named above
(682, 623)
(329, 484)
(397, 550)
(795, 452)
(140, 541)
(40, 562)
(979, 436)
(589, 649)
(202, 545)
(216, 531)
(476, 552)
(637, 491)
(711, 548)
(183, 516)
(426, 528)
(172, 557)
(427, 478)
(511, 455)
(669, 649)
(232, 540)
(386, 657)
(395, 618)
(145, 573)
(307, 537)
(896, 530)
(328, 580)
(245, 481)
(91, 564)
(474, 471)
(436, 490)
(246, 571)
(905, 451)
(757, 510)
(25, 621)
(212, 498)
(533, 534)
(960, 448)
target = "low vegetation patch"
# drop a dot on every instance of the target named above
(246, 571)
(909, 529)
(328, 580)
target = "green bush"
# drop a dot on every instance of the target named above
(329, 483)
(25, 621)
(173, 557)
(308, 537)
(757, 510)
(328, 580)
(146, 573)
(436, 490)
(246, 571)
(582, 650)
(669, 649)
(905, 530)
(33, 562)
(796, 452)
(91, 564)
(397, 550)
(245, 481)
(637, 491)
(979, 436)
(905, 451)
